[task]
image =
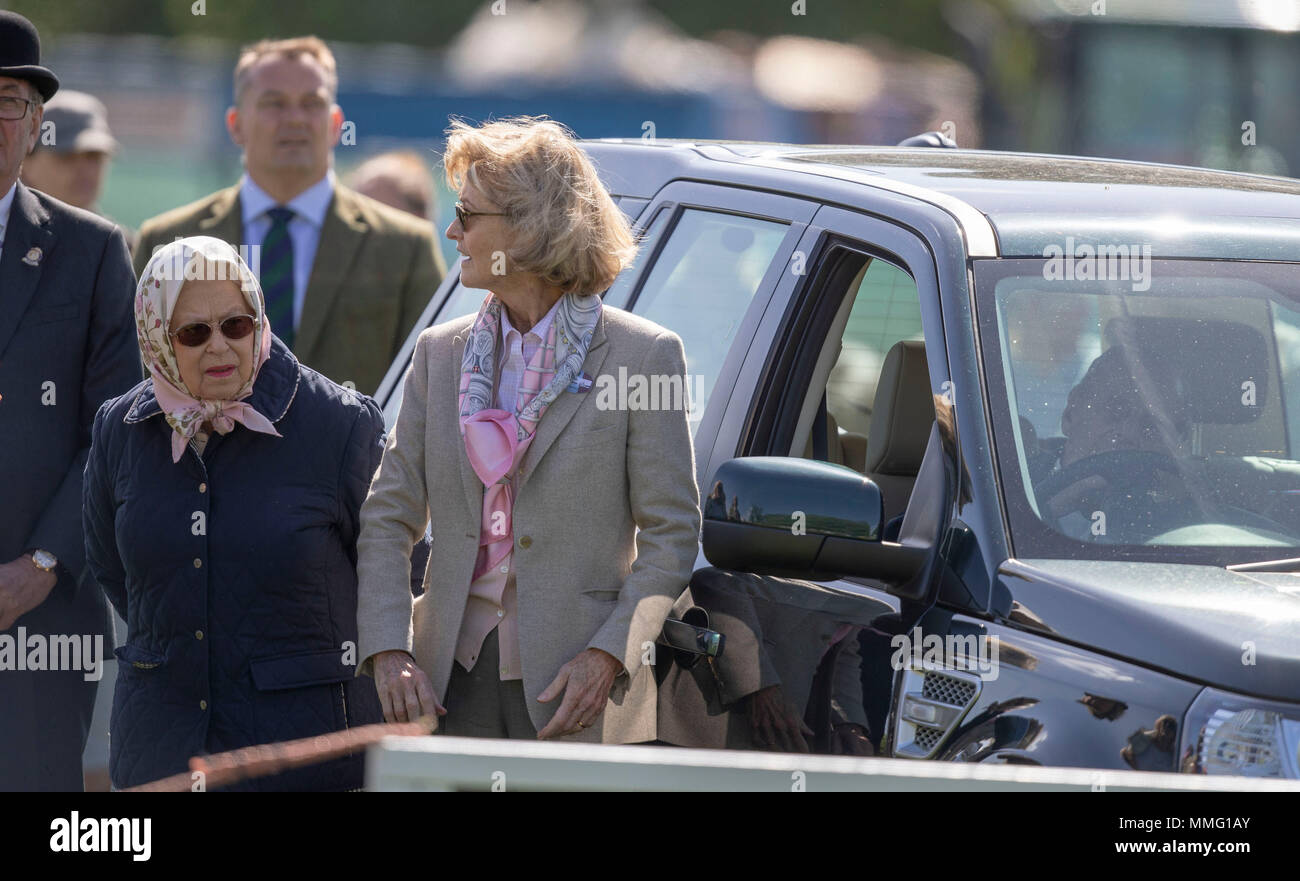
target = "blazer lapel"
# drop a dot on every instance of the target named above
(563, 408)
(340, 239)
(226, 222)
(27, 230)
(473, 486)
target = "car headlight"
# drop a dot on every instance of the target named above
(1226, 733)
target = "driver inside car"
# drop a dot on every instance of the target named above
(1121, 409)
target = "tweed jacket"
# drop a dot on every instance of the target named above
(376, 269)
(606, 524)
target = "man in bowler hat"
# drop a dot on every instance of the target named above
(67, 343)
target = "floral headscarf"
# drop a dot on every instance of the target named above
(160, 286)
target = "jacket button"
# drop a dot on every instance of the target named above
(203, 705)
(525, 542)
(203, 487)
(198, 564)
(198, 634)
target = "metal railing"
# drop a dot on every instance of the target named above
(450, 764)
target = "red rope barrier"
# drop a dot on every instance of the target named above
(249, 762)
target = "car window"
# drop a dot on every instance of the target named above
(885, 310)
(461, 301)
(1143, 416)
(701, 285)
(878, 311)
(621, 289)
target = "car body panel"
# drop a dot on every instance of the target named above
(1052, 703)
(1243, 626)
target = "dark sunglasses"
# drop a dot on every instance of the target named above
(463, 215)
(235, 327)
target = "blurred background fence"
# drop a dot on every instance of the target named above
(1199, 82)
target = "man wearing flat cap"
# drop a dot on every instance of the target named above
(71, 158)
(67, 343)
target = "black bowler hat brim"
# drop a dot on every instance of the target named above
(43, 78)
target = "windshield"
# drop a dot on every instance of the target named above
(1151, 415)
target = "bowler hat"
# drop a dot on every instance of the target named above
(20, 54)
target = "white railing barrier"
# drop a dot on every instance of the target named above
(405, 764)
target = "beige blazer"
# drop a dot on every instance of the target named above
(606, 524)
(376, 268)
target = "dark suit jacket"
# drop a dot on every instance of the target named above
(67, 343)
(376, 269)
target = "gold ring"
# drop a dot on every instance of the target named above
(580, 725)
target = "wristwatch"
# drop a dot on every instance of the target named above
(44, 560)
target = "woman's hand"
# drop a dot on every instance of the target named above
(23, 587)
(404, 690)
(777, 724)
(851, 740)
(585, 681)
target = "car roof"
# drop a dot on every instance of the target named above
(1036, 200)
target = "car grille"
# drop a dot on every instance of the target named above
(949, 694)
(947, 689)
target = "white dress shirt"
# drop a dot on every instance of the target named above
(5, 204)
(309, 207)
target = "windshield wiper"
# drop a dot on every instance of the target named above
(1290, 564)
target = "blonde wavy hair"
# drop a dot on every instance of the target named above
(567, 230)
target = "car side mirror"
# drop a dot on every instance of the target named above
(798, 518)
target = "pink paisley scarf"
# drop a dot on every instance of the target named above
(155, 298)
(496, 440)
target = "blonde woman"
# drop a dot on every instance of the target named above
(562, 532)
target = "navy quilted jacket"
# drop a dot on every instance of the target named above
(236, 574)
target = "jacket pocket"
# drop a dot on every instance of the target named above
(300, 669)
(48, 314)
(139, 658)
(600, 436)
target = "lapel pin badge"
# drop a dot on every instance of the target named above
(580, 385)
(33, 257)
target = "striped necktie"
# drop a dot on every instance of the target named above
(277, 274)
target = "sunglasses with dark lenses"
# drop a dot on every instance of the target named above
(235, 327)
(463, 214)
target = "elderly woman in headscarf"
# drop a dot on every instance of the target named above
(563, 527)
(222, 500)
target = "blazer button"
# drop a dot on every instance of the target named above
(203, 487)
(198, 634)
(198, 564)
(525, 541)
(203, 705)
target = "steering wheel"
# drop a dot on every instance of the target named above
(1126, 470)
